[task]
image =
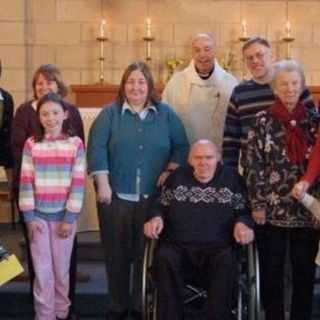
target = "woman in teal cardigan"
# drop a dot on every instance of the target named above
(133, 146)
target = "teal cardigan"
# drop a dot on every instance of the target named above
(127, 147)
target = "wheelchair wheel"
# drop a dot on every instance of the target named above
(149, 291)
(247, 289)
(249, 305)
(254, 282)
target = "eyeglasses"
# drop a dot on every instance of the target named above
(258, 56)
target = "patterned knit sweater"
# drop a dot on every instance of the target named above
(202, 213)
(52, 179)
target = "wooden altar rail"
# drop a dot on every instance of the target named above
(97, 95)
(100, 95)
(315, 91)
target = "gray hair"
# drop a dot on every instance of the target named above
(203, 35)
(287, 66)
(206, 142)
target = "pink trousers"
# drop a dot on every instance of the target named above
(51, 259)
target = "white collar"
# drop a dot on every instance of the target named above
(34, 104)
(215, 77)
(126, 106)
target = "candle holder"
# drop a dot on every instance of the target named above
(288, 40)
(101, 40)
(148, 40)
(244, 38)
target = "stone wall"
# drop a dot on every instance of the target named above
(64, 32)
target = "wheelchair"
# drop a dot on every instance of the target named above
(246, 304)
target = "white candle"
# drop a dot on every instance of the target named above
(148, 27)
(244, 28)
(102, 26)
(288, 29)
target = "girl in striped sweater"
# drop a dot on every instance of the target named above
(51, 196)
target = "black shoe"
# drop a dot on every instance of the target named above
(136, 315)
(117, 315)
(71, 316)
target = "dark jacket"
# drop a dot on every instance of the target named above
(5, 129)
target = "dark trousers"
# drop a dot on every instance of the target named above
(172, 267)
(73, 266)
(302, 245)
(259, 232)
(121, 231)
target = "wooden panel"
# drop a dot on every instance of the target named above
(93, 96)
(315, 91)
(97, 95)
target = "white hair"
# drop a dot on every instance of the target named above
(287, 66)
(206, 142)
(203, 35)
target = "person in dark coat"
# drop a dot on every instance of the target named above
(6, 116)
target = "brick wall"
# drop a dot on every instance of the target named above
(64, 32)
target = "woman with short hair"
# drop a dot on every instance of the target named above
(278, 150)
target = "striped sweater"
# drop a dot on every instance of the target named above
(52, 179)
(247, 99)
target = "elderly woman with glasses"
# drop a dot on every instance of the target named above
(133, 146)
(277, 155)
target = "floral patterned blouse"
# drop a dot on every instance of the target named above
(271, 175)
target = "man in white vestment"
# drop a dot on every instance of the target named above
(200, 93)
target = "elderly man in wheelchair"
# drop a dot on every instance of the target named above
(200, 216)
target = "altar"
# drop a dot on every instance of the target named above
(99, 95)
(94, 95)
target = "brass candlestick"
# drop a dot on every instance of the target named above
(288, 40)
(148, 40)
(102, 40)
(243, 39)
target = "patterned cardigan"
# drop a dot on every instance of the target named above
(271, 175)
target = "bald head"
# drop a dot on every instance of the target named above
(204, 157)
(207, 36)
(203, 143)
